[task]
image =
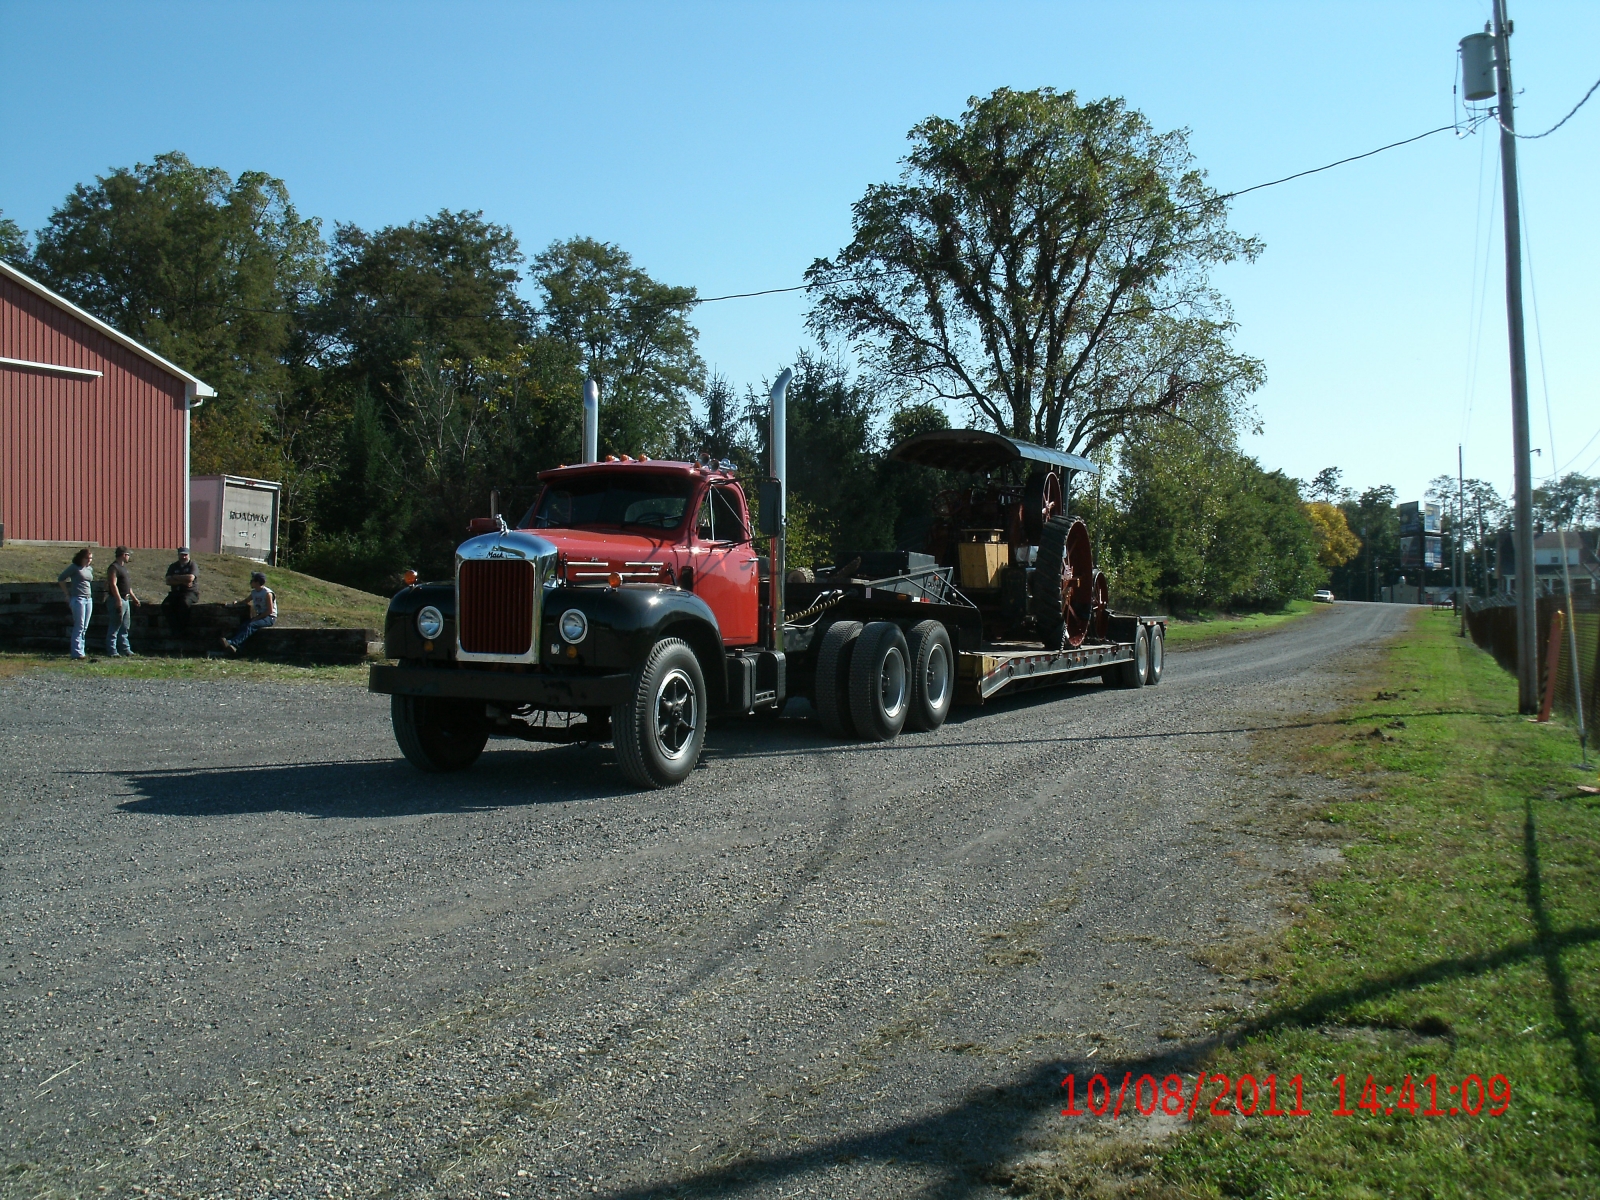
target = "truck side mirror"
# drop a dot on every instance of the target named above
(770, 518)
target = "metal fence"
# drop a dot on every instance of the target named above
(1493, 626)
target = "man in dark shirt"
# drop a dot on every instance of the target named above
(182, 592)
(119, 604)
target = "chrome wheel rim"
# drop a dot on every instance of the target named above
(936, 680)
(1142, 657)
(1155, 654)
(677, 714)
(892, 683)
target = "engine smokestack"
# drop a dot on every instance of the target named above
(591, 421)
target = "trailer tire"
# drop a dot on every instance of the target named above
(933, 675)
(438, 735)
(1131, 674)
(880, 682)
(660, 731)
(1157, 638)
(831, 691)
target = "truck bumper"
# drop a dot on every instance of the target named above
(559, 692)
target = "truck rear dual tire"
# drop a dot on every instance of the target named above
(1158, 651)
(831, 698)
(880, 682)
(439, 735)
(660, 731)
(1134, 672)
(933, 675)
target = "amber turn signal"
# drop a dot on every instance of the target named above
(409, 576)
(614, 579)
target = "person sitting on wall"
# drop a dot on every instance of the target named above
(261, 611)
(182, 592)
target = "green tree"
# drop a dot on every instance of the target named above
(1372, 517)
(13, 242)
(1047, 264)
(1196, 524)
(208, 271)
(1567, 503)
(445, 287)
(631, 334)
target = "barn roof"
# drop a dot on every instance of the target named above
(200, 389)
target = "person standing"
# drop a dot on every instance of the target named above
(261, 611)
(120, 598)
(183, 592)
(77, 585)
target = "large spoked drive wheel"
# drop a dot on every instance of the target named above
(1131, 674)
(933, 675)
(832, 698)
(1158, 649)
(439, 735)
(661, 730)
(880, 682)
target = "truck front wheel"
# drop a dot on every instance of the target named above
(439, 735)
(661, 730)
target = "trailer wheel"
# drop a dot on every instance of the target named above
(1131, 674)
(831, 698)
(880, 682)
(438, 735)
(932, 675)
(1158, 647)
(660, 732)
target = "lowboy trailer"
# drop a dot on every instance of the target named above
(631, 604)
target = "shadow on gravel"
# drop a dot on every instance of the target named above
(379, 787)
(971, 1143)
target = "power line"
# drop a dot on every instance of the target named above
(1530, 137)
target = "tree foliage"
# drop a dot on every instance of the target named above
(13, 242)
(1045, 263)
(1196, 524)
(1336, 545)
(208, 271)
(631, 334)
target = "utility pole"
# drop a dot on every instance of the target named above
(1522, 510)
(1461, 540)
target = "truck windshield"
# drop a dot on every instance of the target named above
(638, 499)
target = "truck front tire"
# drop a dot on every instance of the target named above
(933, 675)
(661, 730)
(439, 735)
(880, 682)
(831, 691)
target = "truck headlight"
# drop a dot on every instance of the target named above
(430, 623)
(574, 626)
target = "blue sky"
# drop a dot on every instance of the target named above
(722, 145)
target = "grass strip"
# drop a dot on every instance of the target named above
(19, 665)
(1214, 626)
(1462, 938)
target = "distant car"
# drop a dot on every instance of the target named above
(1323, 596)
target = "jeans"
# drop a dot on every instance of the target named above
(82, 607)
(118, 621)
(248, 628)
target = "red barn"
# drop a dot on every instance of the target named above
(94, 427)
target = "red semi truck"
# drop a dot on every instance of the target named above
(635, 600)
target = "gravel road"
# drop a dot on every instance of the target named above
(249, 951)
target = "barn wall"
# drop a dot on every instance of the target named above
(85, 459)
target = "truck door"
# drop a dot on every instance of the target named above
(724, 562)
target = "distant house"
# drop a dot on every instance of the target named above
(1583, 563)
(94, 427)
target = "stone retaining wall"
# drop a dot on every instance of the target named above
(34, 616)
